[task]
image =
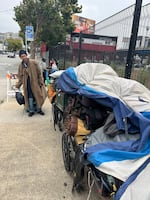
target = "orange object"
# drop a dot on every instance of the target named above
(8, 76)
(51, 92)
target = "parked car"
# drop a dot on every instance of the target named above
(11, 55)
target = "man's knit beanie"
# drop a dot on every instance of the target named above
(22, 52)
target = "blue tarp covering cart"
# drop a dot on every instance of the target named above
(126, 158)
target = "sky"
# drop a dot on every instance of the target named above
(92, 9)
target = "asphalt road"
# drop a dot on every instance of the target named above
(6, 64)
(31, 164)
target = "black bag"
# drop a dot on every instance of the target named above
(20, 98)
(93, 114)
(94, 117)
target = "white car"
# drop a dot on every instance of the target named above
(11, 55)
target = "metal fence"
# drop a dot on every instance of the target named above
(70, 57)
(67, 57)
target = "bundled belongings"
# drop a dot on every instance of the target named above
(118, 144)
(90, 112)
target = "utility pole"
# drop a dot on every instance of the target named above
(133, 38)
(80, 47)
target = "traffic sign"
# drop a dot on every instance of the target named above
(29, 33)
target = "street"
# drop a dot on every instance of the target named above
(6, 64)
(31, 165)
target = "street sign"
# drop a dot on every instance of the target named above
(29, 33)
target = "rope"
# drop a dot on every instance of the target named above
(90, 185)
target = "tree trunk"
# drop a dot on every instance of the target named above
(32, 50)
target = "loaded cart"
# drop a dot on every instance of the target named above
(105, 121)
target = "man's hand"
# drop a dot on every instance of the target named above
(41, 84)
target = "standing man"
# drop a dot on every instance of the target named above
(30, 76)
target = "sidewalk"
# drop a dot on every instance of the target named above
(31, 165)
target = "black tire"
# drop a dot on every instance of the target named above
(68, 153)
(57, 117)
(60, 120)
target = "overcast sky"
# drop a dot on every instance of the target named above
(92, 9)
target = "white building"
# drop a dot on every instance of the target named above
(120, 25)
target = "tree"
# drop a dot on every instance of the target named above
(51, 19)
(13, 44)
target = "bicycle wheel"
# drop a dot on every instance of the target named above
(66, 152)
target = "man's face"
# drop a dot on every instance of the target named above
(23, 57)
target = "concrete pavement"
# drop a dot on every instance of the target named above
(31, 165)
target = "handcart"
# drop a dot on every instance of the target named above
(105, 127)
(73, 147)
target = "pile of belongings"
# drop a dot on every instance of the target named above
(124, 152)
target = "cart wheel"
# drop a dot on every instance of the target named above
(57, 116)
(60, 120)
(68, 153)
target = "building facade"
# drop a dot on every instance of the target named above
(120, 25)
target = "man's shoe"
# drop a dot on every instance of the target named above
(31, 114)
(41, 112)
